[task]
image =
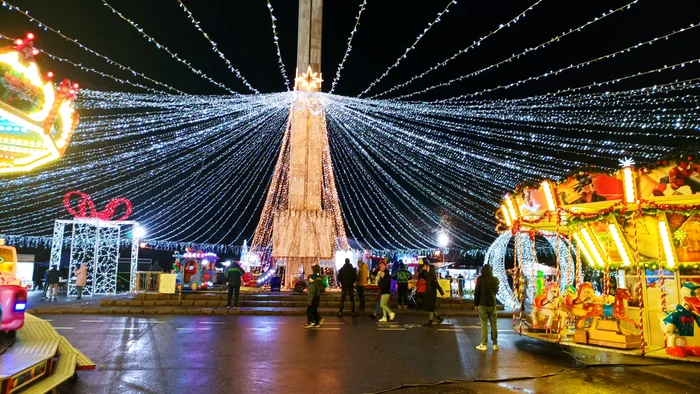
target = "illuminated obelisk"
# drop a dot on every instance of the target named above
(301, 219)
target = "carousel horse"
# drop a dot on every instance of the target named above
(584, 305)
(548, 305)
(618, 310)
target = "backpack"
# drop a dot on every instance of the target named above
(402, 277)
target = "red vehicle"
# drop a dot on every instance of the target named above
(13, 295)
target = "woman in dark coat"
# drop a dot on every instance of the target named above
(432, 287)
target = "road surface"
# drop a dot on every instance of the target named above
(270, 354)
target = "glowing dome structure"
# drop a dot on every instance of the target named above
(36, 119)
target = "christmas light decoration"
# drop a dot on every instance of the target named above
(410, 48)
(665, 235)
(619, 244)
(506, 215)
(349, 48)
(283, 70)
(42, 25)
(570, 67)
(459, 53)
(36, 120)
(629, 184)
(528, 50)
(167, 50)
(496, 254)
(549, 195)
(216, 49)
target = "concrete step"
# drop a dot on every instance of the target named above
(272, 297)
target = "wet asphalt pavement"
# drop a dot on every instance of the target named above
(270, 354)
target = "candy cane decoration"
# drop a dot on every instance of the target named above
(516, 279)
(521, 289)
(558, 277)
(639, 278)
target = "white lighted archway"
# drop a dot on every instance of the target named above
(496, 257)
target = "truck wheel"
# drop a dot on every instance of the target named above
(299, 287)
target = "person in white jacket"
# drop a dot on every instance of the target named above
(80, 279)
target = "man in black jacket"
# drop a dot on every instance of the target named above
(485, 303)
(233, 280)
(53, 278)
(347, 276)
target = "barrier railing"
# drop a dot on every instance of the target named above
(147, 281)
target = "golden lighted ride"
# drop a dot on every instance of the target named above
(37, 120)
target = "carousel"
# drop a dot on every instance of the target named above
(637, 229)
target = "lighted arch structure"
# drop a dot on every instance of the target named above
(496, 255)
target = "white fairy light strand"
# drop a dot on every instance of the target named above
(215, 48)
(410, 48)
(349, 48)
(92, 70)
(525, 52)
(167, 50)
(42, 25)
(582, 64)
(461, 52)
(276, 38)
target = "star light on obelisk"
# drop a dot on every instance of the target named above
(309, 81)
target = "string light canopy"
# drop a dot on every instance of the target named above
(408, 175)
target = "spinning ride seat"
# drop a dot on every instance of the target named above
(13, 296)
(189, 270)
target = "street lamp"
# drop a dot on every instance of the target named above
(443, 240)
(139, 232)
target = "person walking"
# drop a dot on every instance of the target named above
(347, 276)
(485, 303)
(385, 291)
(313, 318)
(402, 276)
(362, 280)
(53, 283)
(46, 283)
(80, 279)
(430, 299)
(233, 281)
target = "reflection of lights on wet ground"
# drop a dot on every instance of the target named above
(507, 386)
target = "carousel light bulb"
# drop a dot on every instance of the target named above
(619, 243)
(506, 216)
(511, 208)
(628, 180)
(549, 196)
(584, 249)
(593, 247)
(666, 243)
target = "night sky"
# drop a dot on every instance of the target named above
(242, 30)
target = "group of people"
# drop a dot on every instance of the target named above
(426, 284)
(52, 279)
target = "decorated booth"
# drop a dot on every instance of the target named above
(195, 270)
(639, 228)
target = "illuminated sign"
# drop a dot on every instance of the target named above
(37, 120)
